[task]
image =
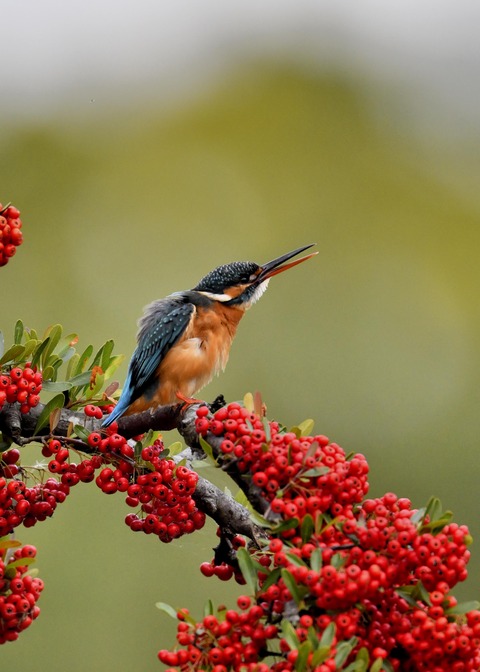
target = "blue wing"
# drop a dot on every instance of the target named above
(161, 326)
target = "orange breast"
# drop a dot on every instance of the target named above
(201, 353)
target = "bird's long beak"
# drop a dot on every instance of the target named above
(278, 266)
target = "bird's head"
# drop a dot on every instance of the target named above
(242, 283)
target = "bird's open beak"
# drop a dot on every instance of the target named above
(278, 266)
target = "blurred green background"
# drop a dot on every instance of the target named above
(377, 338)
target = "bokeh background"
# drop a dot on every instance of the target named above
(146, 143)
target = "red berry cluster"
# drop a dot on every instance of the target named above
(313, 474)
(375, 569)
(19, 593)
(10, 232)
(229, 641)
(164, 495)
(20, 504)
(22, 386)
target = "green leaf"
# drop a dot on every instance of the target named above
(328, 635)
(81, 379)
(344, 649)
(30, 346)
(55, 402)
(97, 386)
(176, 448)
(106, 354)
(66, 344)
(304, 650)
(39, 350)
(207, 449)
(54, 333)
(248, 402)
(48, 373)
(81, 432)
(338, 561)
(6, 542)
(12, 354)
(291, 584)
(247, 568)
(463, 607)
(320, 655)
(17, 338)
(20, 562)
(289, 634)
(257, 518)
(285, 525)
(295, 560)
(72, 364)
(307, 528)
(56, 386)
(271, 579)
(316, 471)
(167, 608)
(316, 560)
(83, 360)
(306, 427)
(208, 609)
(377, 665)
(113, 366)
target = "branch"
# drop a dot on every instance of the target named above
(231, 517)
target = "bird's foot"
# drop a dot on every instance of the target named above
(187, 401)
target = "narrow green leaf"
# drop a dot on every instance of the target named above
(247, 568)
(307, 528)
(113, 366)
(208, 609)
(304, 651)
(30, 346)
(207, 449)
(175, 448)
(54, 333)
(72, 364)
(12, 354)
(248, 402)
(257, 518)
(320, 655)
(167, 608)
(328, 635)
(306, 427)
(344, 649)
(37, 353)
(377, 665)
(20, 562)
(83, 360)
(463, 607)
(356, 666)
(81, 379)
(48, 372)
(106, 354)
(289, 634)
(271, 579)
(316, 471)
(18, 334)
(285, 525)
(66, 342)
(316, 560)
(338, 560)
(81, 432)
(6, 542)
(55, 402)
(292, 586)
(434, 508)
(56, 386)
(295, 560)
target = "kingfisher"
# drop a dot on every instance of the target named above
(184, 339)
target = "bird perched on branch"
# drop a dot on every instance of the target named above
(185, 339)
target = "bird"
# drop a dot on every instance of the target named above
(184, 339)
